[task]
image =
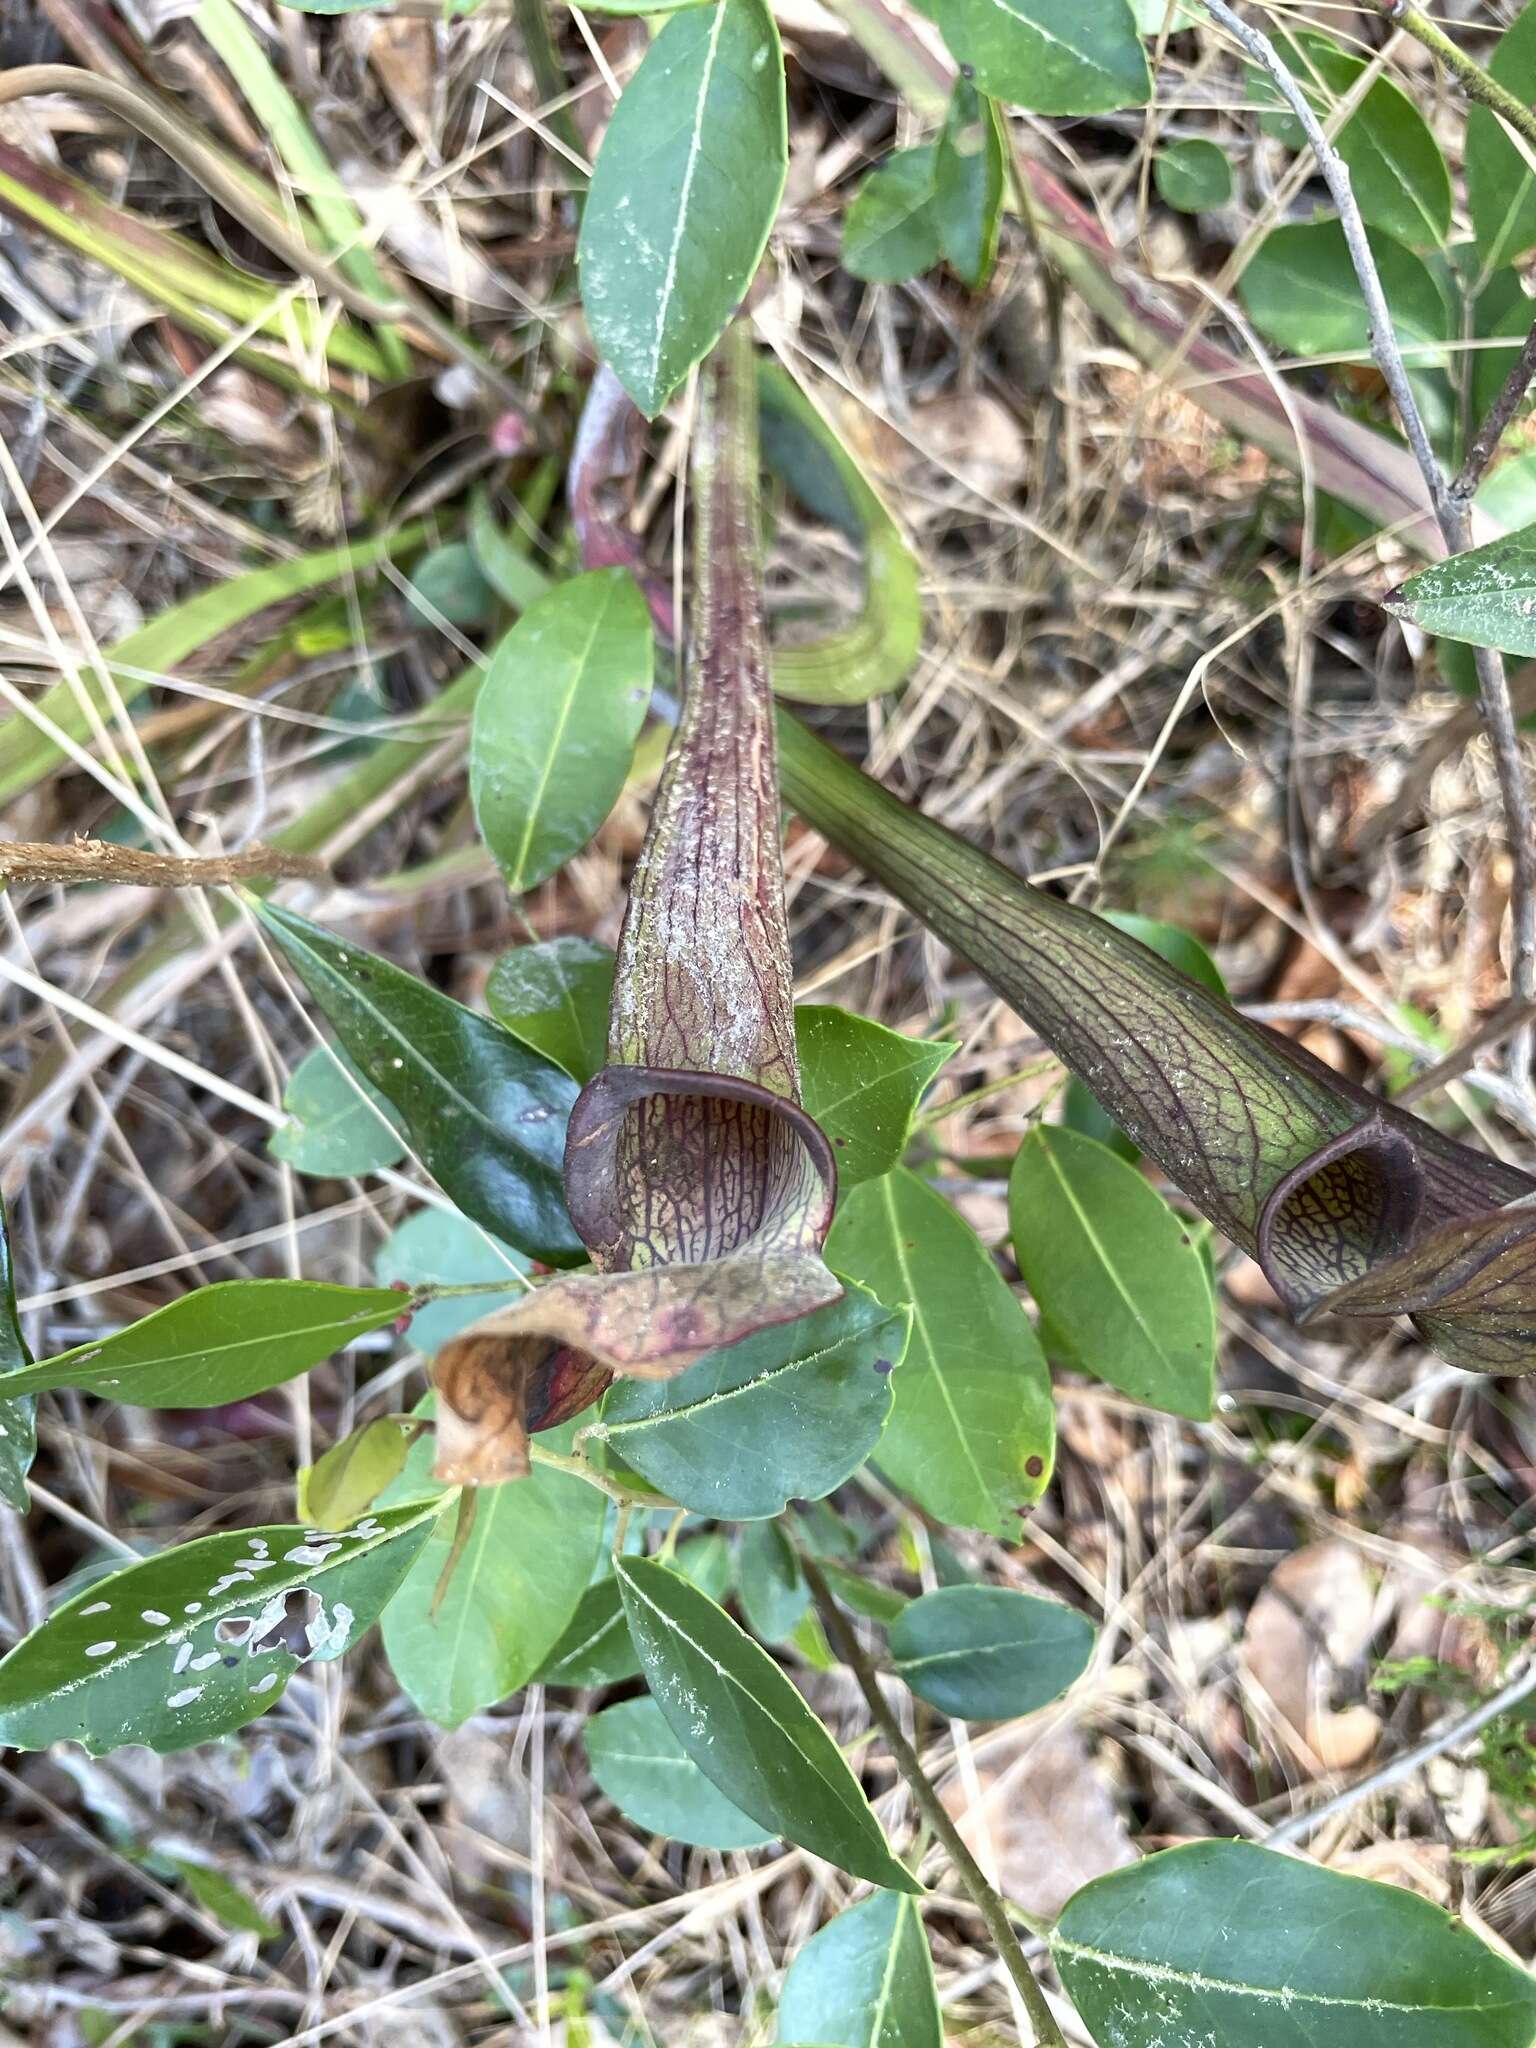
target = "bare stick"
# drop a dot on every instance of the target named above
(934, 1811)
(1450, 511)
(1495, 420)
(98, 860)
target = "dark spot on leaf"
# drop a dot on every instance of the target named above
(839, 1141)
(885, 1365)
(1033, 1467)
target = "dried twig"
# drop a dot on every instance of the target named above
(1477, 82)
(1450, 510)
(98, 860)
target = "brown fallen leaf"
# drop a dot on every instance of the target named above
(1308, 1634)
(1045, 1822)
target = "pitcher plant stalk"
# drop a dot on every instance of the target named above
(698, 1184)
(1351, 1206)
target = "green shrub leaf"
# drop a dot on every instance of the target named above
(1192, 177)
(651, 1779)
(337, 1123)
(986, 1653)
(771, 1585)
(892, 229)
(1051, 56)
(345, 1481)
(462, 1646)
(554, 997)
(1487, 595)
(863, 1084)
(1301, 291)
(596, 1647)
(18, 1418)
(219, 1343)
(786, 1414)
(1228, 1942)
(968, 184)
(556, 721)
(486, 1115)
(1501, 187)
(684, 192)
(1114, 1271)
(865, 1981)
(747, 1729)
(973, 1433)
(202, 1639)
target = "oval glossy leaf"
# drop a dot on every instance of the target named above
(511, 1593)
(1051, 56)
(1228, 1942)
(986, 1653)
(786, 1414)
(747, 1729)
(202, 1639)
(1487, 595)
(337, 1123)
(346, 1481)
(684, 192)
(1397, 172)
(554, 996)
(770, 1584)
(1114, 1271)
(968, 171)
(218, 1344)
(1501, 188)
(595, 1647)
(865, 1981)
(1192, 177)
(437, 1248)
(863, 1085)
(486, 1115)
(1301, 292)
(973, 1434)
(892, 229)
(18, 1418)
(653, 1781)
(448, 585)
(556, 721)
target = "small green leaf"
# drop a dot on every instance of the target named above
(502, 557)
(219, 1343)
(865, 1596)
(199, 1640)
(449, 584)
(773, 1592)
(347, 1479)
(436, 1248)
(865, 1981)
(18, 1418)
(1397, 172)
(338, 1123)
(863, 1084)
(786, 1414)
(1192, 177)
(747, 1729)
(1114, 1270)
(1224, 1941)
(509, 1598)
(1301, 291)
(684, 192)
(1051, 56)
(486, 1115)
(1487, 595)
(891, 231)
(653, 1781)
(968, 171)
(1501, 188)
(986, 1653)
(554, 996)
(707, 1562)
(556, 720)
(595, 1648)
(973, 1433)
(223, 1898)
